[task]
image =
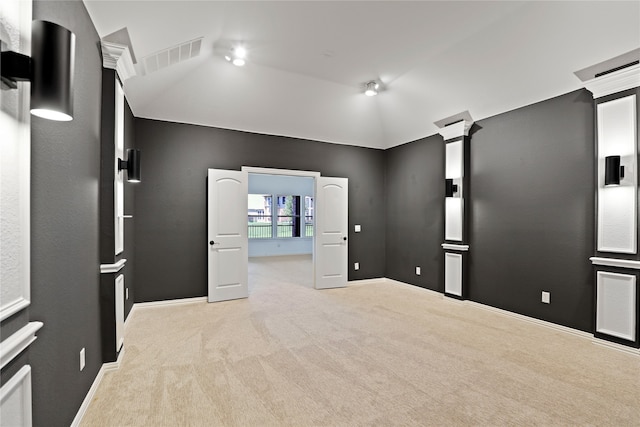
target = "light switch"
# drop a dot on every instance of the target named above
(358, 228)
(546, 297)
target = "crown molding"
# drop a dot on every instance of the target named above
(117, 57)
(455, 126)
(626, 78)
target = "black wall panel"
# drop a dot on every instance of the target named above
(532, 210)
(415, 212)
(170, 203)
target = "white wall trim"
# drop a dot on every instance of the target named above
(544, 323)
(454, 247)
(20, 382)
(430, 291)
(180, 301)
(117, 57)
(270, 171)
(17, 342)
(556, 327)
(113, 268)
(365, 281)
(616, 305)
(106, 367)
(615, 262)
(15, 193)
(456, 130)
(627, 78)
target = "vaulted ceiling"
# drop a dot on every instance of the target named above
(308, 61)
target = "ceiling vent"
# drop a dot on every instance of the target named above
(171, 56)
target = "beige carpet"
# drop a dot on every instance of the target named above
(375, 354)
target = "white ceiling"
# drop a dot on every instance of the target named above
(308, 61)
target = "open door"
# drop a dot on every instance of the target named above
(227, 235)
(331, 249)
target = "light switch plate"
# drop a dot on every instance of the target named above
(82, 360)
(546, 297)
(358, 228)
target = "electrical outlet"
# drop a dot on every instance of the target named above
(546, 297)
(82, 359)
(356, 266)
(358, 228)
(417, 271)
(126, 293)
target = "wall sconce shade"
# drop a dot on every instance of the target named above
(50, 70)
(131, 165)
(612, 170)
(450, 188)
(53, 60)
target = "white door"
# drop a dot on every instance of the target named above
(227, 235)
(331, 252)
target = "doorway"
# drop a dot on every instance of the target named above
(227, 210)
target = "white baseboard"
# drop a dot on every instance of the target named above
(429, 291)
(365, 281)
(181, 301)
(554, 326)
(106, 367)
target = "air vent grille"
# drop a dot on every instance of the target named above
(171, 56)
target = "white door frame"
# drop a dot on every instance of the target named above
(289, 172)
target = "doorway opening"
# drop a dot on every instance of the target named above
(280, 224)
(227, 235)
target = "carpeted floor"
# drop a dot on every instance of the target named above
(373, 354)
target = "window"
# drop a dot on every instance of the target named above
(288, 216)
(308, 216)
(285, 220)
(260, 223)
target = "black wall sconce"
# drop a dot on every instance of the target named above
(612, 171)
(50, 70)
(450, 188)
(131, 165)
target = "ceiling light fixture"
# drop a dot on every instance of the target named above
(371, 88)
(238, 56)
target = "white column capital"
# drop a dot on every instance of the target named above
(455, 126)
(117, 57)
(613, 75)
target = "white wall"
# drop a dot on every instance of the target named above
(284, 186)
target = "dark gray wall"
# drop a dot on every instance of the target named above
(415, 212)
(64, 235)
(532, 210)
(170, 210)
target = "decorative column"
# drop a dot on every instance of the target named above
(455, 131)
(118, 66)
(615, 85)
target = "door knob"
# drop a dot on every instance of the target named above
(211, 242)
(344, 238)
